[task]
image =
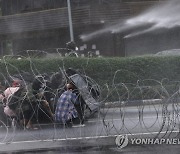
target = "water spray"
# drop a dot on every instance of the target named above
(162, 16)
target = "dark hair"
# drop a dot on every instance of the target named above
(69, 86)
(71, 45)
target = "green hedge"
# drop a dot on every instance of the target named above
(149, 71)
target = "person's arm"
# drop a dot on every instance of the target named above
(74, 99)
(46, 105)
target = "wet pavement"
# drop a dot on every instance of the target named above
(97, 136)
(106, 149)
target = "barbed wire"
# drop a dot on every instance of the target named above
(130, 113)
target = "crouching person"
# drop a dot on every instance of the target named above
(8, 96)
(66, 112)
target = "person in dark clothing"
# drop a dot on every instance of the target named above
(42, 91)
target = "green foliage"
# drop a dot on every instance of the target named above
(103, 70)
(108, 72)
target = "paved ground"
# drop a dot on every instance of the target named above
(99, 133)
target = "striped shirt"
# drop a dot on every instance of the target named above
(65, 109)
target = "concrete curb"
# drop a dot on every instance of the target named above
(69, 144)
(132, 103)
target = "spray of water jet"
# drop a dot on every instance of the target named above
(165, 15)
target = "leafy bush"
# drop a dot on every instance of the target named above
(107, 72)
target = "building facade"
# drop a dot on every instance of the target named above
(44, 25)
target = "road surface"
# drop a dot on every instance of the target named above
(99, 131)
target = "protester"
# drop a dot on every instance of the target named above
(42, 92)
(7, 96)
(9, 102)
(12, 99)
(66, 112)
